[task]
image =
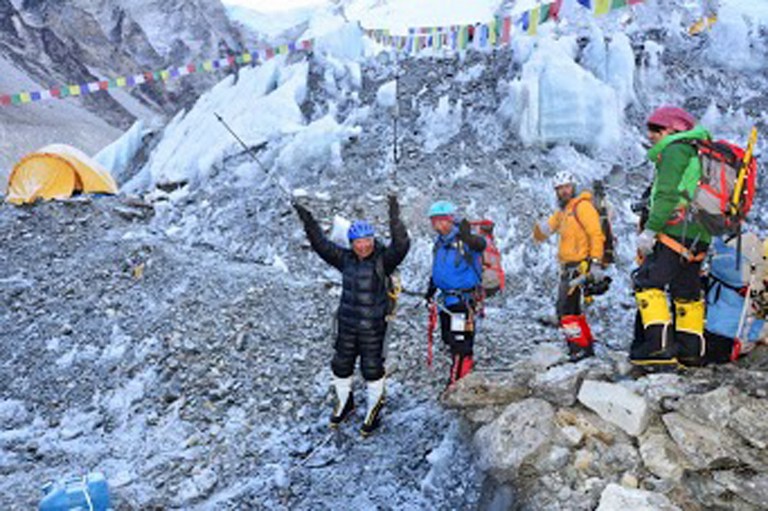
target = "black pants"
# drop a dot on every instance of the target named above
(568, 304)
(667, 270)
(367, 344)
(460, 343)
(719, 348)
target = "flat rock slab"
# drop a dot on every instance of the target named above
(616, 404)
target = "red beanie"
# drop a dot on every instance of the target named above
(672, 117)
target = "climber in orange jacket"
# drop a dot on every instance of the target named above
(580, 253)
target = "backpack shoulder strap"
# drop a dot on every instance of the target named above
(576, 212)
(380, 271)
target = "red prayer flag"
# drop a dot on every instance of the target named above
(554, 9)
(506, 30)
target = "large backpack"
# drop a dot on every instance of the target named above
(493, 278)
(604, 210)
(725, 190)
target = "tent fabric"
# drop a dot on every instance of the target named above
(55, 172)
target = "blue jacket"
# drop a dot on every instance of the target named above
(456, 267)
(724, 303)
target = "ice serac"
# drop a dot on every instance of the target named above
(561, 102)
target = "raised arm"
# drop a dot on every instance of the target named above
(400, 243)
(328, 251)
(474, 242)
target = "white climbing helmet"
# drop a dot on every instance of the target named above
(563, 177)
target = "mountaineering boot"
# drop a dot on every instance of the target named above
(375, 403)
(652, 347)
(466, 365)
(578, 336)
(577, 353)
(345, 402)
(461, 366)
(689, 332)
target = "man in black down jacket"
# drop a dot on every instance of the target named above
(363, 307)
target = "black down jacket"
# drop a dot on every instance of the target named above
(364, 295)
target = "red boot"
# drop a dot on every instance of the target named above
(578, 335)
(462, 366)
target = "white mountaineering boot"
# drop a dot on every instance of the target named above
(375, 403)
(345, 403)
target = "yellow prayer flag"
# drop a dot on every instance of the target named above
(533, 20)
(602, 7)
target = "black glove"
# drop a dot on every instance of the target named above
(303, 212)
(429, 296)
(465, 231)
(394, 207)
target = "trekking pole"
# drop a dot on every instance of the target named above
(249, 150)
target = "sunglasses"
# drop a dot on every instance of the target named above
(655, 128)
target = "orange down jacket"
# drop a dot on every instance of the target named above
(578, 225)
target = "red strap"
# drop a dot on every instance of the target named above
(431, 324)
(736, 352)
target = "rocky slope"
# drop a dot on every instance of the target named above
(180, 343)
(584, 436)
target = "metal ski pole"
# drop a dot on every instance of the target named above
(247, 149)
(250, 152)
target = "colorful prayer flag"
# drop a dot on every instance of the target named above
(602, 7)
(533, 20)
(506, 29)
(554, 9)
(463, 37)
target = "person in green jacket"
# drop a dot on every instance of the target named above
(671, 247)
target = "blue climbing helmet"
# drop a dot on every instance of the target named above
(360, 229)
(442, 208)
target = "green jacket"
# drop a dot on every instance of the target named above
(677, 174)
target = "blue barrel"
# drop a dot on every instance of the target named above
(88, 493)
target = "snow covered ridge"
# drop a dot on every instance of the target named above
(565, 94)
(555, 100)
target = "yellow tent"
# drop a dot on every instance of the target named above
(55, 172)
